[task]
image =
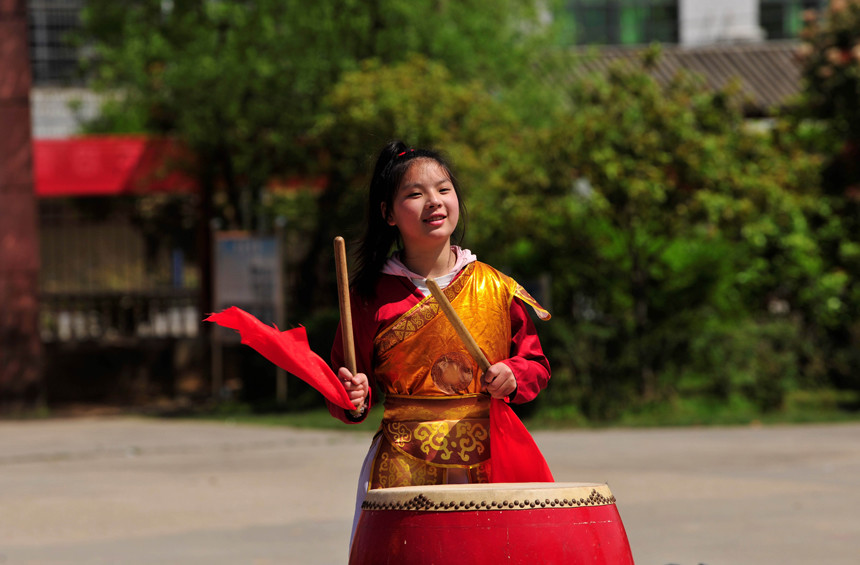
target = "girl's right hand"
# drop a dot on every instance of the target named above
(357, 386)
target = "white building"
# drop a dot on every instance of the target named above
(705, 22)
(58, 99)
(687, 23)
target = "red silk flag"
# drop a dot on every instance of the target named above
(289, 350)
(515, 456)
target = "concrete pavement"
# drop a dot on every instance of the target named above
(135, 491)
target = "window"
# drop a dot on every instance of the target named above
(783, 19)
(625, 22)
(54, 60)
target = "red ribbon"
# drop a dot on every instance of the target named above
(515, 456)
(288, 350)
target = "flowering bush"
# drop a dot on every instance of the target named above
(830, 54)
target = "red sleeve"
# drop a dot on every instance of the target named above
(363, 352)
(527, 361)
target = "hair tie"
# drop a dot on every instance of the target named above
(404, 152)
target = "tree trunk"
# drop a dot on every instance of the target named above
(21, 384)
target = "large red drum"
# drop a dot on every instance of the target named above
(510, 523)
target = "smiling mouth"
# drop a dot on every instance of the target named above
(435, 218)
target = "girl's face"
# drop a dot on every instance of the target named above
(425, 208)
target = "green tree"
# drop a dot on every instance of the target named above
(831, 66)
(420, 101)
(664, 211)
(242, 83)
(667, 226)
(827, 118)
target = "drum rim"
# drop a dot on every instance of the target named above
(489, 496)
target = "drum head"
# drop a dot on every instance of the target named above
(492, 496)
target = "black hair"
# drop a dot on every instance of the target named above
(379, 237)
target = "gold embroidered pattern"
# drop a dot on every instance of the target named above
(383, 469)
(400, 434)
(468, 437)
(419, 315)
(452, 372)
(471, 437)
(447, 443)
(393, 470)
(434, 436)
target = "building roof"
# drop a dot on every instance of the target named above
(109, 165)
(769, 72)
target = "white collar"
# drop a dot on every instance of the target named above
(394, 266)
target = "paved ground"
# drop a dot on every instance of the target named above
(135, 491)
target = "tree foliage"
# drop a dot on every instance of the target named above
(667, 220)
(830, 102)
(687, 253)
(672, 232)
(243, 85)
(419, 101)
(831, 66)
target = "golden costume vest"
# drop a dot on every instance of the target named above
(436, 417)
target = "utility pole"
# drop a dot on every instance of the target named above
(20, 343)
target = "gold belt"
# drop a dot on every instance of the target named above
(400, 408)
(444, 431)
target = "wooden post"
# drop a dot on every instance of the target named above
(20, 342)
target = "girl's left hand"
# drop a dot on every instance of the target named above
(499, 380)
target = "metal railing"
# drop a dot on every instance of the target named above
(115, 317)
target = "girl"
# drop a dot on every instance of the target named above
(435, 424)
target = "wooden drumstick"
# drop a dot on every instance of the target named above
(345, 310)
(459, 327)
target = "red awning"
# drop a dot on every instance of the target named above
(109, 165)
